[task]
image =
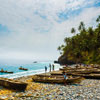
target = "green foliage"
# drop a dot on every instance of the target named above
(73, 30)
(83, 47)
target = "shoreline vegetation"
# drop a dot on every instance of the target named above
(83, 46)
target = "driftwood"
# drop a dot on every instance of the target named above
(12, 84)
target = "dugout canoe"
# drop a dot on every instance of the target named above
(13, 84)
(23, 69)
(6, 72)
(57, 80)
(88, 76)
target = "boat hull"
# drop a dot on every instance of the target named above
(12, 84)
(23, 69)
(6, 72)
(58, 81)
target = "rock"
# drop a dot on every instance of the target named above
(64, 60)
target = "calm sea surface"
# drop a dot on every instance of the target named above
(33, 68)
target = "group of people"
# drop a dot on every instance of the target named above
(51, 67)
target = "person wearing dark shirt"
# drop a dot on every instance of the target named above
(50, 67)
(53, 67)
(45, 69)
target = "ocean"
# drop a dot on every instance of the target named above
(33, 68)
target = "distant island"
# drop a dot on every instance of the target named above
(83, 47)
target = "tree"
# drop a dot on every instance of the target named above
(90, 31)
(98, 19)
(59, 48)
(81, 26)
(73, 30)
(83, 47)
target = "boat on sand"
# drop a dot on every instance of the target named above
(57, 80)
(13, 84)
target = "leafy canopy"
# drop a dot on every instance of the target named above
(83, 47)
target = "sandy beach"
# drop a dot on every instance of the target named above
(86, 90)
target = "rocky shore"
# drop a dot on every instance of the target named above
(86, 90)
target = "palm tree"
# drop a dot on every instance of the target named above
(59, 48)
(62, 46)
(81, 26)
(90, 31)
(98, 19)
(73, 30)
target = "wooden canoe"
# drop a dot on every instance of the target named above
(87, 76)
(57, 80)
(23, 69)
(13, 84)
(6, 72)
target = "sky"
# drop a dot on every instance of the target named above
(33, 29)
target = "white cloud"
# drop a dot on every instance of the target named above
(35, 34)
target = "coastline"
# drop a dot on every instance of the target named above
(6, 93)
(87, 90)
(30, 72)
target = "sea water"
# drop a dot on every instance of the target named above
(33, 68)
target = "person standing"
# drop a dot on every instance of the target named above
(53, 67)
(65, 77)
(50, 67)
(45, 69)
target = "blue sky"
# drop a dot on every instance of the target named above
(33, 29)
